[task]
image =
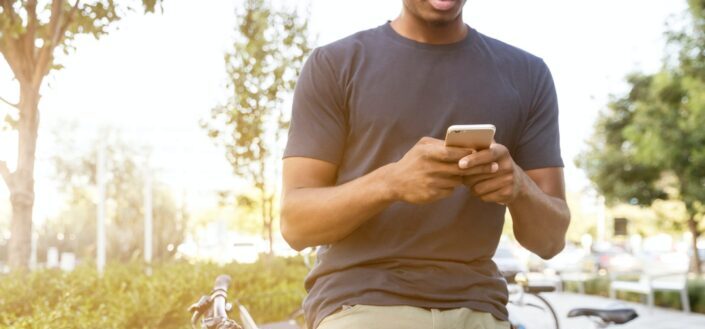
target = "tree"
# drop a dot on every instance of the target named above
(268, 52)
(124, 191)
(648, 145)
(30, 33)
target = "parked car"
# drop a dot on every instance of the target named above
(604, 255)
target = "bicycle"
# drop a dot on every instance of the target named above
(213, 310)
(603, 318)
(529, 310)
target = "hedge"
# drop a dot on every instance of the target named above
(668, 299)
(125, 297)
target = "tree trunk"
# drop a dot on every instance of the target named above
(693, 226)
(21, 185)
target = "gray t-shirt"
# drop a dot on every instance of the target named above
(363, 102)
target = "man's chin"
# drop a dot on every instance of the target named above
(440, 20)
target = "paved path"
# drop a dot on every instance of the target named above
(656, 318)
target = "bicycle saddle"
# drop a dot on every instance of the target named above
(616, 316)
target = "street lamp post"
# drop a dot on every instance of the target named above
(147, 216)
(100, 226)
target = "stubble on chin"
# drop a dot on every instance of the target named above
(441, 22)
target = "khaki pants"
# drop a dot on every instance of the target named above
(408, 317)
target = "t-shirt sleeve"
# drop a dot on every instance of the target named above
(539, 144)
(318, 122)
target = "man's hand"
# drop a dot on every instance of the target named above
(427, 172)
(492, 175)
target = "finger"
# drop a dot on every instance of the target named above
(477, 159)
(500, 196)
(494, 153)
(447, 153)
(430, 141)
(491, 185)
(446, 182)
(474, 179)
(452, 169)
(490, 168)
(498, 151)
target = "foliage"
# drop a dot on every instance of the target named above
(242, 218)
(125, 202)
(648, 145)
(30, 33)
(268, 52)
(127, 298)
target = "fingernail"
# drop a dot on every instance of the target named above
(495, 167)
(463, 163)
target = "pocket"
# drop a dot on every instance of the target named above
(342, 312)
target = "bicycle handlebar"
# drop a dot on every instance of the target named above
(222, 282)
(213, 309)
(220, 292)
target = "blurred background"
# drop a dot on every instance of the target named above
(140, 149)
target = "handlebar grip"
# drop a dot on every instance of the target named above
(222, 282)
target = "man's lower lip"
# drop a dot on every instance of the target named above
(442, 5)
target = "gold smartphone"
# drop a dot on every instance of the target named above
(476, 137)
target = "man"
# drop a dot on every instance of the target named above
(407, 226)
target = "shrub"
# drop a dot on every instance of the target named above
(125, 297)
(668, 299)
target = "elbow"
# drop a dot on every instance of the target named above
(558, 244)
(552, 250)
(294, 242)
(289, 233)
(545, 246)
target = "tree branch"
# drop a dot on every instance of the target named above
(7, 6)
(68, 21)
(7, 44)
(6, 174)
(17, 106)
(31, 8)
(59, 30)
(42, 63)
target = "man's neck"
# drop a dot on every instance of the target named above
(415, 29)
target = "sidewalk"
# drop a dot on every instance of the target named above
(656, 318)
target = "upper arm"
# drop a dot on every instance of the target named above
(549, 180)
(301, 172)
(319, 126)
(538, 144)
(318, 130)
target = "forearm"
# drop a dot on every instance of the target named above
(323, 215)
(540, 220)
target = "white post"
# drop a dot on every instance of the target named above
(52, 257)
(147, 215)
(601, 218)
(100, 226)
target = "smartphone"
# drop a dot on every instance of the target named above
(476, 137)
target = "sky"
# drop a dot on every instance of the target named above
(156, 76)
